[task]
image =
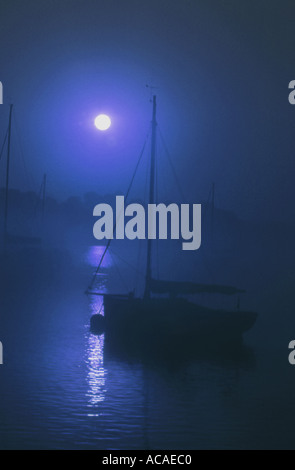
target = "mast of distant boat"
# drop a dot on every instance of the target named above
(43, 199)
(147, 291)
(7, 175)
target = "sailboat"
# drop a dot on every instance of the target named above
(8, 238)
(163, 315)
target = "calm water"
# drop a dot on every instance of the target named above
(61, 390)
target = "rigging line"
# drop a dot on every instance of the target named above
(180, 190)
(137, 267)
(33, 217)
(140, 250)
(158, 259)
(29, 176)
(207, 204)
(38, 201)
(119, 272)
(172, 166)
(100, 309)
(203, 254)
(3, 145)
(115, 224)
(128, 264)
(157, 200)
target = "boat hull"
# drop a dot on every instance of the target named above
(167, 321)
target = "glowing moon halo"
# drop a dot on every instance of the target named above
(102, 122)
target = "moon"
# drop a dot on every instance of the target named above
(102, 122)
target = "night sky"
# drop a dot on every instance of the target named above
(221, 69)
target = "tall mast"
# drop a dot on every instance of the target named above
(147, 292)
(43, 197)
(43, 204)
(7, 175)
(213, 208)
